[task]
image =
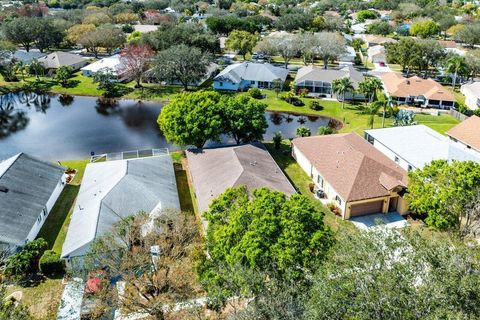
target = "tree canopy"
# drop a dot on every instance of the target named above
(440, 191)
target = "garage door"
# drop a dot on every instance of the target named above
(366, 208)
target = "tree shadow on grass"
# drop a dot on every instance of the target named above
(186, 201)
(39, 85)
(71, 84)
(53, 226)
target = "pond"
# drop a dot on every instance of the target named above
(65, 127)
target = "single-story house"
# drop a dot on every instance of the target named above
(451, 47)
(217, 169)
(413, 147)
(374, 40)
(113, 63)
(417, 91)
(27, 57)
(467, 133)
(245, 75)
(348, 56)
(115, 189)
(350, 173)
(58, 59)
(471, 91)
(29, 189)
(377, 54)
(318, 81)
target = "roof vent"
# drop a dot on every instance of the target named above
(254, 163)
(3, 189)
(408, 81)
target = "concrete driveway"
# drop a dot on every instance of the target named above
(391, 220)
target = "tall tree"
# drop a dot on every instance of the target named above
(331, 46)
(192, 119)
(342, 87)
(456, 65)
(22, 31)
(135, 61)
(244, 118)
(153, 255)
(440, 191)
(182, 64)
(242, 42)
(396, 275)
(283, 237)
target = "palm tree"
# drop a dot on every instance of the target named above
(21, 67)
(365, 88)
(35, 67)
(375, 84)
(372, 110)
(342, 86)
(456, 65)
(386, 104)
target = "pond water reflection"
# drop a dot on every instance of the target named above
(67, 127)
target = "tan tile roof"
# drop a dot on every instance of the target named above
(399, 86)
(250, 165)
(468, 132)
(371, 38)
(354, 168)
(447, 43)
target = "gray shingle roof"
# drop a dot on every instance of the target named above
(116, 189)
(214, 170)
(312, 73)
(235, 73)
(30, 183)
(58, 59)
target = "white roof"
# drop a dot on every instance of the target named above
(419, 145)
(113, 63)
(116, 189)
(144, 28)
(472, 89)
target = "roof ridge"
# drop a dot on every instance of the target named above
(9, 166)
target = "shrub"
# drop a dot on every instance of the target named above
(296, 102)
(333, 208)
(25, 262)
(303, 131)
(277, 139)
(127, 28)
(326, 130)
(283, 96)
(255, 93)
(50, 263)
(303, 92)
(315, 105)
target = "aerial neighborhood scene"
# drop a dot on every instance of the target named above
(239, 159)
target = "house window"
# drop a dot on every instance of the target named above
(39, 219)
(410, 168)
(252, 82)
(397, 159)
(220, 84)
(338, 199)
(370, 138)
(320, 181)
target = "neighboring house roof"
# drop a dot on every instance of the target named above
(370, 38)
(116, 189)
(349, 54)
(144, 28)
(26, 57)
(376, 50)
(398, 86)
(448, 43)
(467, 132)
(312, 73)
(352, 166)
(215, 170)
(58, 59)
(29, 184)
(419, 145)
(113, 63)
(235, 73)
(472, 89)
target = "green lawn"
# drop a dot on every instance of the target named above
(54, 230)
(185, 193)
(351, 115)
(301, 181)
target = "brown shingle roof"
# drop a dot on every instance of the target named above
(399, 86)
(214, 170)
(354, 168)
(468, 132)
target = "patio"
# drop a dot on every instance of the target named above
(390, 220)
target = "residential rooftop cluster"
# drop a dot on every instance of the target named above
(237, 160)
